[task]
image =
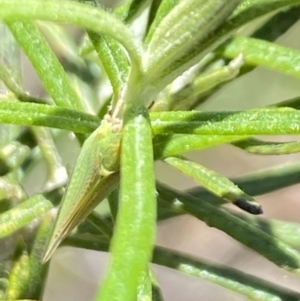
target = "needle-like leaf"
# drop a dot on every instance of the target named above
(216, 183)
(74, 13)
(266, 245)
(134, 232)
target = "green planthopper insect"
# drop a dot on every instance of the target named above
(94, 177)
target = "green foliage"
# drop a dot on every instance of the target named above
(148, 115)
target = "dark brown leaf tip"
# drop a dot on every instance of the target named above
(253, 208)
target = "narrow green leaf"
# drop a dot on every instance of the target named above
(278, 25)
(263, 53)
(252, 287)
(22, 214)
(127, 10)
(216, 183)
(14, 112)
(74, 13)
(256, 146)
(100, 223)
(292, 103)
(185, 98)
(37, 270)
(166, 145)
(112, 57)
(258, 182)
(259, 241)
(248, 12)
(94, 177)
(159, 9)
(19, 275)
(232, 279)
(62, 42)
(91, 242)
(135, 225)
(251, 9)
(287, 232)
(179, 31)
(10, 61)
(46, 64)
(166, 210)
(253, 122)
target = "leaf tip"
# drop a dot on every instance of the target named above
(251, 207)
